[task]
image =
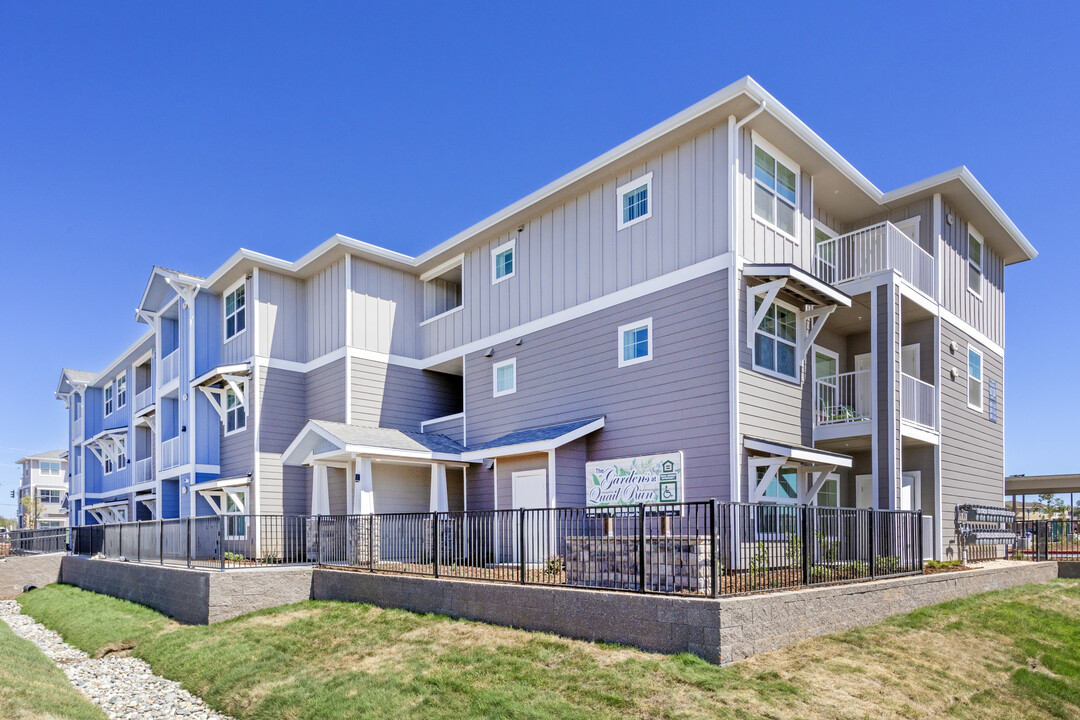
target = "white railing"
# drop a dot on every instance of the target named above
(77, 430)
(918, 402)
(76, 483)
(843, 398)
(144, 399)
(871, 249)
(144, 470)
(170, 367)
(170, 453)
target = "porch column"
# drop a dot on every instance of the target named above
(363, 494)
(320, 493)
(439, 502)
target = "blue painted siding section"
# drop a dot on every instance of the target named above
(169, 500)
(207, 333)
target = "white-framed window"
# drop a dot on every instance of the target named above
(634, 201)
(975, 261)
(775, 340)
(235, 522)
(975, 379)
(51, 497)
(76, 407)
(236, 311)
(635, 342)
(109, 399)
(776, 189)
(504, 377)
(829, 494)
(50, 468)
(107, 466)
(121, 391)
(235, 417)
(503, 263)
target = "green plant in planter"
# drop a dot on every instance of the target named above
(759, 564)
(793, 550)
(886, 565)
(818, 573)
(234, 557)
(855, 569)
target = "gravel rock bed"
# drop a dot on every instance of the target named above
(124, 687)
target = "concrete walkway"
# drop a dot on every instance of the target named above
(124, 687)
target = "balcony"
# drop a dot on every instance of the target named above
(144, 471)
(144, 399)
(170, 367)
(843, 399)
(918, 402)
(170, 453)
(76, 483)
(879, 247)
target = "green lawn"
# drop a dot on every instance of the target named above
(32, 687)
(1010, 654)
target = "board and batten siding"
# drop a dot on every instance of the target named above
(922, 209)
(282, 315)
(574, 252)
(387, 304)
(676, 401)
(326, 310)
(986, 314)
(394, 396)
(238, 348)
(325, 389)
(972, 447)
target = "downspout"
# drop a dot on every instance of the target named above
(734, 206)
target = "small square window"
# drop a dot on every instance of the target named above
(502, 262)
(504, 377)
(635, 342)
(635, 201)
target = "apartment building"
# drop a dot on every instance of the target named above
(44, 476)
(723, 294)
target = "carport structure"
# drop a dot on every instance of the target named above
(1020, 486)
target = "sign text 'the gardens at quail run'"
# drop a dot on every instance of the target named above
(631, 481)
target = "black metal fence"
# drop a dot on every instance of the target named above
(1044, 540)
(34, 542)
(703, 548)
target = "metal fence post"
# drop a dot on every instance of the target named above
(318, 539)
(521, 545)
(189, 543)
(435, 542)
(873, 545)
(919, 540)
(221, 540)
(714, 536)
(641, 547)
(161, 541)
(805, 540)
(138, 542)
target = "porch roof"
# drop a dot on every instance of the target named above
(797, 452)
(323, 437)
(800, 284)
(1040, 484)
(537, 439)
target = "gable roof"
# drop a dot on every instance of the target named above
(47, 455)
(323, 436)
(537, 439)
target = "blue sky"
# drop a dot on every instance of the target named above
(141, 133)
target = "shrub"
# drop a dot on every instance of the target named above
(818, 573)
(886, 565)
(554, 565)
(855, 569)
(233, 557)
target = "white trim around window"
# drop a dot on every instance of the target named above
(632, 213)
(108, 402)
(975, 265)
(121, 392)
(235, 419)
(770, 194)
(506, 389)
(239, 311)
(496, 266)
(975, 378)
(777, 339)
(634, 346)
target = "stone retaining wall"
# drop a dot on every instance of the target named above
(18, 571)
(672, 563)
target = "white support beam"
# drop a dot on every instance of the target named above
(816, 477)
(320, 491)
(363, 493)
(240, 504)
(817, 320)
(438, 501)
(772, 467)
(768, 291)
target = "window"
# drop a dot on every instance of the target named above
(776, 188)
(107, 465)
(774, 342)
(975, 261)
(975, 379)
(829, 494)
(504, 377)
(635, 342)
(235, 522)
(49, 496)
(235, 312)
(502, 263)
(635, 203)
(121, 391)
(121, 458)
(50, 468)
(109, 399)
(235, 417)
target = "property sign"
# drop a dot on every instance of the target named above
(630, 481)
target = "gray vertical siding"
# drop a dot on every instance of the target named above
(326, 396)
(676, 401)
(573, 252)
(283, 317)
(987, 315)
(326, 310)
(972, 447)
(386, 306)
(400, 397)
(923, 209)
(239, 347)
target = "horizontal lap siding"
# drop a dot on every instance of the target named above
(237, 450)
(987, 315)
(401, 488)
(284, 414)
(676, 401)
(574, 252)
(326, 392)
(520, 463)
(386, 306)
(282, 313)
(453, 429)
(972, 447)
(399, 397)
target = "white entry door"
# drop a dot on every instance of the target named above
(530, 492)
(864, 399)
(910, 490)
(864, 491)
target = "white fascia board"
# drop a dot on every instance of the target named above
(143, 487)
(374, 450)
(109, 372)
(790, 271)
(234, 369)
(533, 447)
(223, 483)
(797, 453)
(301, 437)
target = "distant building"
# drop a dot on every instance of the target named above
(44, 476)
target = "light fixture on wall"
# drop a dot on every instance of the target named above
(953, 347)
(953, 372)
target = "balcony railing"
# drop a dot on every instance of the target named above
(843, 398)
(170, 367)
(144, 399)
(918, 402)
(871, 249)
(144, 470)
(77, 482)
(170, 453)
